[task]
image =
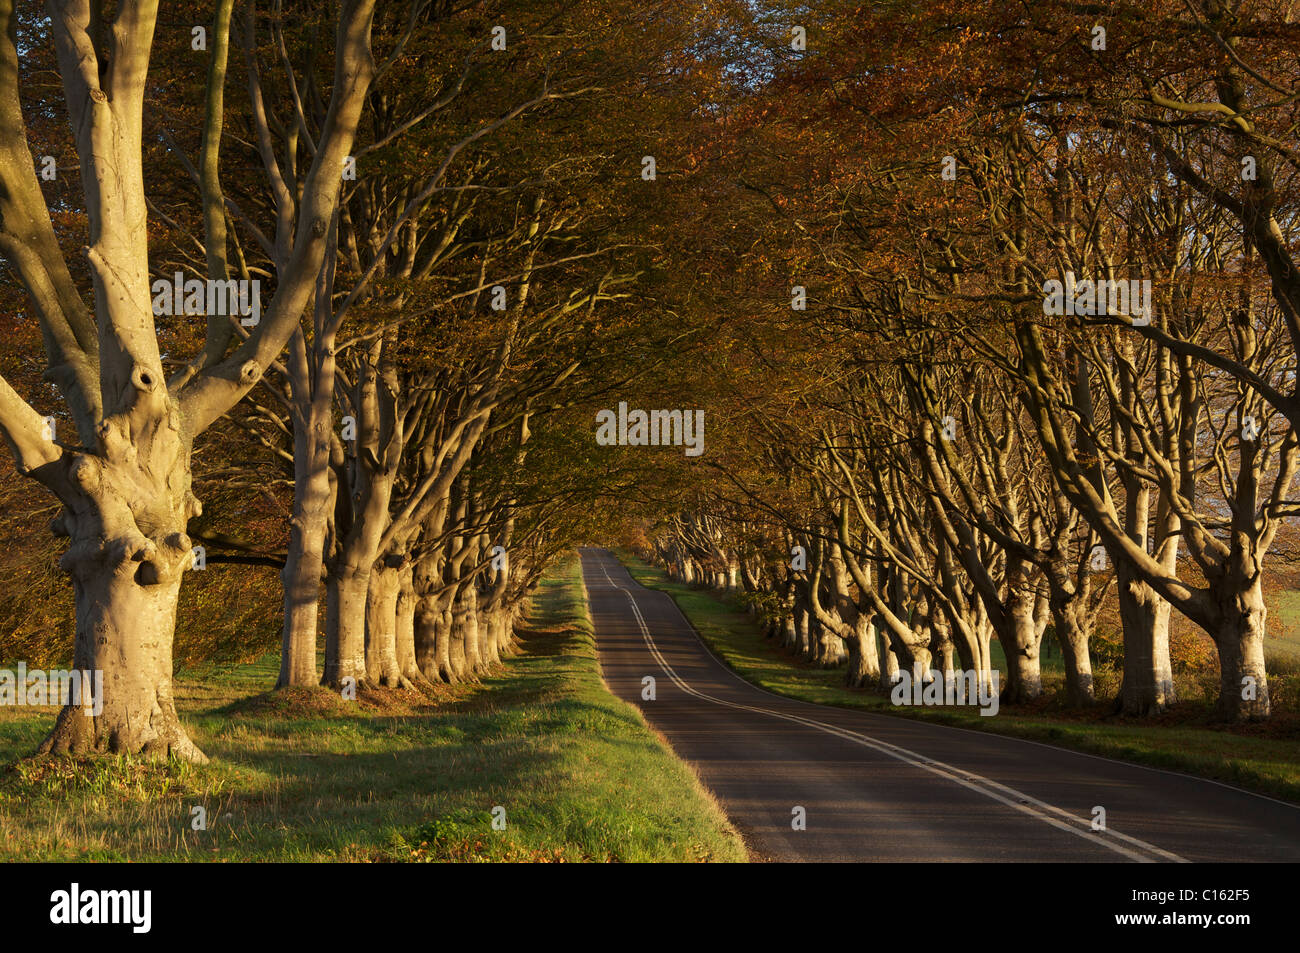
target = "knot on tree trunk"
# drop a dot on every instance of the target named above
(157, 563)
(146, 562)
(84, 472)
(136, 555)
(115, 439)
(142, 380)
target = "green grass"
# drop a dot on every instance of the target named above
(1286, 642)
(306, 776)
(1239, 755)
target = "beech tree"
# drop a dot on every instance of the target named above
(125, 480)
(898, 242)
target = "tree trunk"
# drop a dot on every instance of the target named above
(1072, 633)
(508, 628)
(128, 551)
(789, 638)
(828, 648)
(941, 645)
(369, 495)
(1020, 646)
(864, 658)
(472, 637)
(345, 643)
(442, 623)
(803, 631)
(489, 627)
(984, 639)
(407, 663)
(301, 576)
(506, 633)
(381, 627)
(1240, 641)
(919, 661)
(1148, 686)
(429, 619)
(125, 627)
(457, 668)
(972, 644)
(889, 669)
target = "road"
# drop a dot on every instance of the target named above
(877, 787)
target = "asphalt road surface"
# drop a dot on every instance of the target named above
(882, 788)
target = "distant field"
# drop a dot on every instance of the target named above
(1284, 633)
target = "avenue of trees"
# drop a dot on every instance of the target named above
(437, 203)
(929, 445)
(836, 228)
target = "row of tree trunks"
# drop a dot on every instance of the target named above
(829, 638)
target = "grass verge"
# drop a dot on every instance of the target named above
(1240, 755)
(396, 776)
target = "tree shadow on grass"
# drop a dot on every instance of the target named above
(326, 801)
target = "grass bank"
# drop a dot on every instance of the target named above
(1262, 758)
(395, 776)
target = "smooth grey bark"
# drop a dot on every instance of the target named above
(373, 469)
(1148, 685)
(828, 627)
(448, 670)
(470, 629)
(407, 661)
(1073, 619)
(432, 622)
(1021, 638)
(864, 659)
(317, 454)
(889, 667)
(313, 505)
(385, 585)
(1243, 681)
(802, 628)
(457, 663)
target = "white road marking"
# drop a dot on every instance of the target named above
(989, 788)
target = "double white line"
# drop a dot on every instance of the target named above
(1130, 847)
